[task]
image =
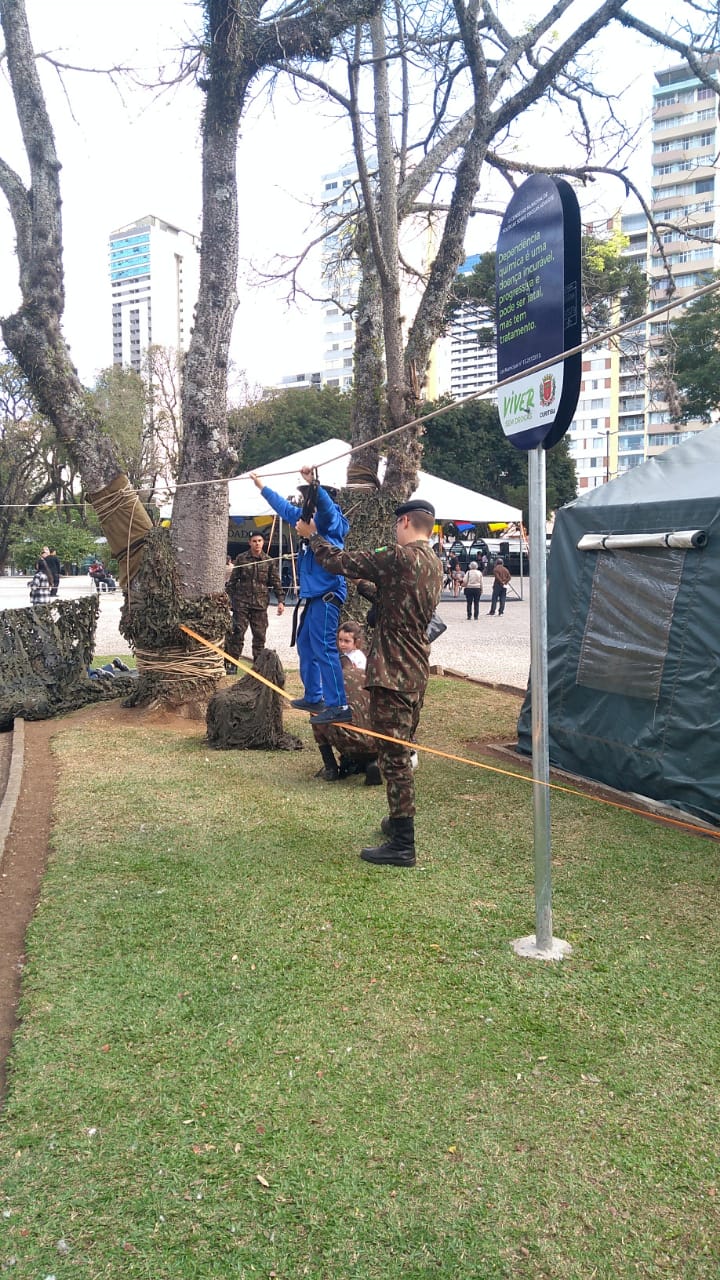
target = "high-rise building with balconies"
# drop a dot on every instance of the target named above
(154, 279)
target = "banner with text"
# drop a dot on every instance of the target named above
(538, 311)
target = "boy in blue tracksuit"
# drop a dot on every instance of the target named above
(323, 595)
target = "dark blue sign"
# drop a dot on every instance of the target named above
(538, 311)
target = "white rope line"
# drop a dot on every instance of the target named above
(599, 339)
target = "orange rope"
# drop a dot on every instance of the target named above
(474, 764)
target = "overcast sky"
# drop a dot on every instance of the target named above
(130, 153)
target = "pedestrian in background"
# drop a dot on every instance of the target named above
(501, 578)
(472, 587)
(41, 584)
(52, 561)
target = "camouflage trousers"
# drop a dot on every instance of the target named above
(244, 617)
(396, 714)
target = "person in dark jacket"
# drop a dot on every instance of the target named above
(252, 579)
(408, 582)
(322, 595)
(52, 561)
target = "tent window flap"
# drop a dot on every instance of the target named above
(627, 630)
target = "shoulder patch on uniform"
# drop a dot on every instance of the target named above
(380, 549)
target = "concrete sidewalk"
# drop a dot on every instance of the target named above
(493, 648)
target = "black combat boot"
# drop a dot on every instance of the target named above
(399, 850)
(329, 771)
(386, 826)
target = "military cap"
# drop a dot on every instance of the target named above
(415, 504)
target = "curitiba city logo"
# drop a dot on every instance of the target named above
(547, 390)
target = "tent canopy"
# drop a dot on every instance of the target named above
(451, 501)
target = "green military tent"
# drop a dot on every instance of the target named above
(634, 631)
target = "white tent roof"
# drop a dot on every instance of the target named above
(451, 501)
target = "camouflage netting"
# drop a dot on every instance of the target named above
(44, 655)
(174, 670)
(248, 715)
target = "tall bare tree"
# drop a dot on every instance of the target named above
(242, 39)
(482, 67)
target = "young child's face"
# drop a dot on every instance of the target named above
(346, 641)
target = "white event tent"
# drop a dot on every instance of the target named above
(451, 501)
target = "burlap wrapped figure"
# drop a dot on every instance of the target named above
(248, 715)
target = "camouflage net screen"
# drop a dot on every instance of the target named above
(248, 715)
(44, 655)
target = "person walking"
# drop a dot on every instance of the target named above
(472, 587)
(254, 576)
(501, 578)
(408, 581)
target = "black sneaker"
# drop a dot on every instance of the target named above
(333, 715)
(302, 704)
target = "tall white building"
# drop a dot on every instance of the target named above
(473, 364)
(340, 276)
(684, 203)
(624, 415)
(154, 278)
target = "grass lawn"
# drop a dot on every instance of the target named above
(245, 1053)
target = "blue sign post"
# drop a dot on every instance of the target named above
(538, 311)
(538, 318)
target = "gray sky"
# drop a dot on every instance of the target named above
(132, 153)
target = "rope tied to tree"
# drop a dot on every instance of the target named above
(181, 664)
(125, 523)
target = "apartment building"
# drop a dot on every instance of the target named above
(154, 280)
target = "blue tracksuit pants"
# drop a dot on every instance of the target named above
(320, 669)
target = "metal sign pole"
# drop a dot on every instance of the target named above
(541, 944)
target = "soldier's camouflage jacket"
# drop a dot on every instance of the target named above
(252, 579)
(408, 581)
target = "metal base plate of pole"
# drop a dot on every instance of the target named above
(557, 949)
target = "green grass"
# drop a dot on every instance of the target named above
(246, 1053)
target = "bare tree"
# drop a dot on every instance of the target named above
(242, 39)
(483, 68)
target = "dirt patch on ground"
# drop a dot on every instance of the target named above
(26, 848)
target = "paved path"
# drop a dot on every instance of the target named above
(493, 648)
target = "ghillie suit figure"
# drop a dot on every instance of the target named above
(249, 715)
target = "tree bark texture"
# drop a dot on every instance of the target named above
(34, 333)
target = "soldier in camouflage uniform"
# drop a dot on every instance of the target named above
(248, 587)
(408, 581)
